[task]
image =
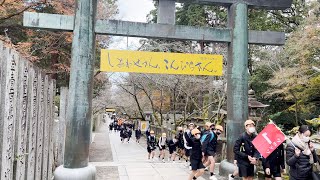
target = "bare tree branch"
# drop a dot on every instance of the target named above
(1, 4)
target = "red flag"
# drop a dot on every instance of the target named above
(268, 140)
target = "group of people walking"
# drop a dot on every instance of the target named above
(198, 148)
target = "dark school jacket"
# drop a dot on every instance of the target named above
(210, 146)
(138, 133)
(276, 158)
(196, 153)
(243, 148)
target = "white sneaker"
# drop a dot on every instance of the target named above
(230, 178)
(213, 178)
(173, 162)
(168, 159)
(190, 168)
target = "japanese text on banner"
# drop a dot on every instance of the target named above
(161, 63)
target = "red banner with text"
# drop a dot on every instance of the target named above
(268, 140)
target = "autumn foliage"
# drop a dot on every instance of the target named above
(50, 50)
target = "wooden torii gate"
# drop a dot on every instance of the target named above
(85, 26)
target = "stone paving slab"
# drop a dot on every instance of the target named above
(107, 173)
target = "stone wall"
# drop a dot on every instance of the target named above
(26, 119)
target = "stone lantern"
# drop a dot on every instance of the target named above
(254, 105)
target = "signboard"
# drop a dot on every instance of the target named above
(161, 63)
(268, 140)
(144, 125)
(110, 110)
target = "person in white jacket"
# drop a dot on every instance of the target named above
(187, 141)
(162, 145)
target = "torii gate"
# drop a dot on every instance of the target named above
(84, 27)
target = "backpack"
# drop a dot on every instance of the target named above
(152, 140)
(205, 136)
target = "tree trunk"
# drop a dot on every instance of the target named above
(174, 108)
(161, 104)
(296, 103)
(138, 104)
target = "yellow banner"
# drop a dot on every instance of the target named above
(161, 63)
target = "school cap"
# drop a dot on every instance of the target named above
(151, 132)
(249, 121)
(164, 135)
(195, 131)
(219, 127)
(209, 124)
(191, 124)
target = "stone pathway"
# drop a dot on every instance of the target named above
(128, 161)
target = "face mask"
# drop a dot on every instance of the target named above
(252, 129)
(305, 138)
(198, 136)
(212, 129)
(218, 133)
(180, 131)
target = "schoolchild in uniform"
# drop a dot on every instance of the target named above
(197, 168)
(274, 164)
(172, 145)
(180, 143)
(209, 148)
(138, 135)
(162, 146)
(151, 145)
(247, 154)
(186, 139)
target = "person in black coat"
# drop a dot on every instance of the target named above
(129, 134)
(300, 155)
(180, 143)
(138, 135)
(274, 164)
(151, 145)
(172, 145)
(196, 155)
(209, 147)
(247, 155)
(147, 133)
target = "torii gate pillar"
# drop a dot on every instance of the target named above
(237, 78)
(79, 110)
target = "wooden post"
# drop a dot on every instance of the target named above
(62, 122)
(8, 112)
(21, 123)
(32, 124)
(40, 126)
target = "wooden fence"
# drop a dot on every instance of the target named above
(26, 119)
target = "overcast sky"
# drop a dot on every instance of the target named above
(131, 10)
